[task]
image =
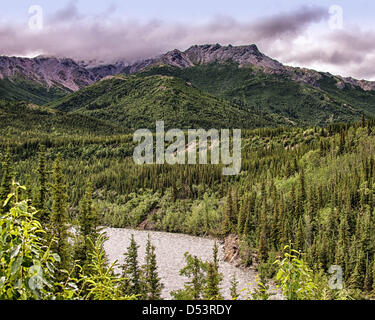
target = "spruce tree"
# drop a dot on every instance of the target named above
(152, 282)
(212, 290)
(59, 217)
(214, 277)
(6, 181)
(131, 270)
(227, 226)
(41, 196)
(242, 216)
(88, 228)
(262, 243)
(299, 239)
(197, 275)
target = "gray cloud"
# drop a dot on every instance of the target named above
(67, 14)
(291, 23)
(69, 33)
(83, 37)
(349, 52)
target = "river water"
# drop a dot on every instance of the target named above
(170, 249)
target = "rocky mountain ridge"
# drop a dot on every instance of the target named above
(71, 75)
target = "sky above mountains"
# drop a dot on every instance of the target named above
(338, 37)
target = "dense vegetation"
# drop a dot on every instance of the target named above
(294, 102)
(22, 117)
(138, 101)
(312, 187)
(306, 180)
(217, 95)
(19, 89)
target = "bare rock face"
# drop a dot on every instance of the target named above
(205, 54)
(70, 75)
(304, 75)
(48, 71)
(51, 71)
(232, 250)
(243, 55)
(364, 84)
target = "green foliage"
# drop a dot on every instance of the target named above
(261, 292)
(59, 217)
(277, 96)
(6, 181)
(204, 279)
(139, 101)
(27, 265)
(88, 229)
(195, 270)
(152, 283)
(295, 278)
(102, 283)
(234, 288)
(26, 118)
(131, 271)
(41, 197)
(20, 89)
(310, 186)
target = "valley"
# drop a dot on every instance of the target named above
(302, 202)
(170, 249)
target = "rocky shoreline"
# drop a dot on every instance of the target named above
(170, 249)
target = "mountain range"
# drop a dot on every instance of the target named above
(204, 86)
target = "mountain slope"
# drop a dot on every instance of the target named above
(227, 87)
(22, 117)
(43, 79)
(21, 89)
(252, 88)
(139, 101)
(244, 56)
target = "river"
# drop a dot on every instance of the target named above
(170, 249)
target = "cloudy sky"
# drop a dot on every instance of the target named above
(338, 37)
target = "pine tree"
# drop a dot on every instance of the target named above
(215, 252)
(214, 277)
(59, 217)
(41, 196)
(197, 275)
(131, 270)
(262, 244)
(368, 277)
(299, 239)
(342, 143)
(6, 181)
(342, 243)
(152, 282)
(242, 216)
(88, 228)
(212, 290)
(228, 215)
(363, 121)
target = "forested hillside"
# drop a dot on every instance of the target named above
(311, 187)
(303, 202)
(136, 102)
(30, 119)
(297, 102)
(205, 86)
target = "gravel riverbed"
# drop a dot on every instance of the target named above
(170, 249)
